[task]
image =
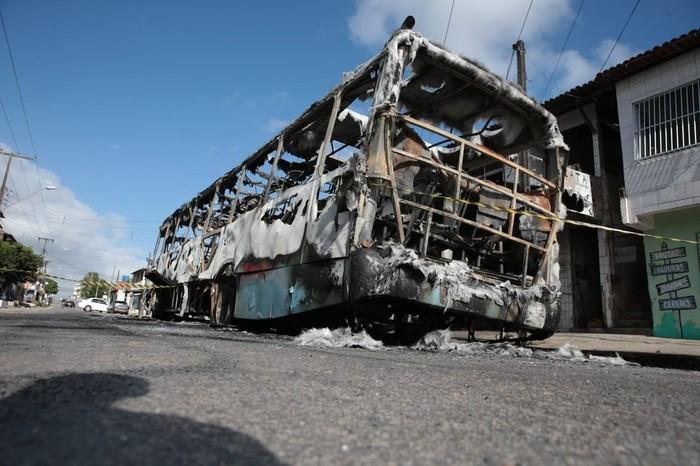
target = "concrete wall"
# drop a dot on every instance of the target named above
(664, 182)
(674, 275)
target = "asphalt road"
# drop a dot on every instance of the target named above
(78, 388)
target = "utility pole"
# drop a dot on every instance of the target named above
(524, 156)
(519, 48)
(43, 260)
(10, 156)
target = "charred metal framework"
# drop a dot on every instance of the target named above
(394, 197)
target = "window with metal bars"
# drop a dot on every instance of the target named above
(668, 122)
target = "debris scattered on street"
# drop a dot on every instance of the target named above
(338, 338)
(442, 341)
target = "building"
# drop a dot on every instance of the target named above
(635, 130)
(76, 290)
(133, 292)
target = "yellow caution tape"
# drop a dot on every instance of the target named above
(100, 282)
(528, 213)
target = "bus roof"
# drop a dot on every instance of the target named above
(471, 73)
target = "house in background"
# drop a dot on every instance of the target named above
(140, 284)
(634, 129)
(132, 292)
(659, 111)
(76, 290)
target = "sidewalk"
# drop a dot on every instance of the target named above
(648, 351)
(642, 349)
(616, 343)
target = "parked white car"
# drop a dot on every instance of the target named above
(95, 304)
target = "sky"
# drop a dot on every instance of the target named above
(136, 106)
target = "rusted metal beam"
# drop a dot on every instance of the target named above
(513, 203)
(392, 180)
(320, 162)
(458, 188)
(477, 147)
(485, 183)
(273, 172)
(473, 223)
(237, 195)
(526, 258)
(426, 234)
(210, 209)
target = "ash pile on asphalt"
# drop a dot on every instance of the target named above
(442, 341)
(339, 338)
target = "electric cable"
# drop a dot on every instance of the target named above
(563, 48)
(512, 54)
(19, 90)
(629, 18)
(9, 125)
(26, 118)
(449, 20)
(24, 175)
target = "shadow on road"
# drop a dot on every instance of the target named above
(70, 419)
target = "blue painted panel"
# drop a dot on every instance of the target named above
(289, 290)
(263, 295)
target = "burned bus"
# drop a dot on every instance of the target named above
(422, 189)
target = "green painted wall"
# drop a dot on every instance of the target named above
(673, 270)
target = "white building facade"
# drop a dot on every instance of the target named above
(659, 112)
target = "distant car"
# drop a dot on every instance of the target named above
(68, 303)
(89, 304)
(118, 307)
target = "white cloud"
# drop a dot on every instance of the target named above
(83, 239)
(481, 30)
(236, 98)
(274, 125)
(278, 96)
(621, 52)
(485, 31)
(574, 69)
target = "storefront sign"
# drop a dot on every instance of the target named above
(666, 254)
(668, 291)
(685, 303)
(673, 285)
(678, 267)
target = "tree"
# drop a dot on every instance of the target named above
(18, 263)
(51, 286)
(92, 285)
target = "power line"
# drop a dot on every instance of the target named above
(21, 206)
(9, 125)
(19, 90)
(16, 222)
(31, 201)
(26, 118)
(76, 267)
(542, 74)
(24, 175)
(7, 167)
(512, 54)
(563, 48)
(114, 250)
(634, 8)
(449, 20)
(95, 218)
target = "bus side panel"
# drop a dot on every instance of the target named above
(290, 290)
